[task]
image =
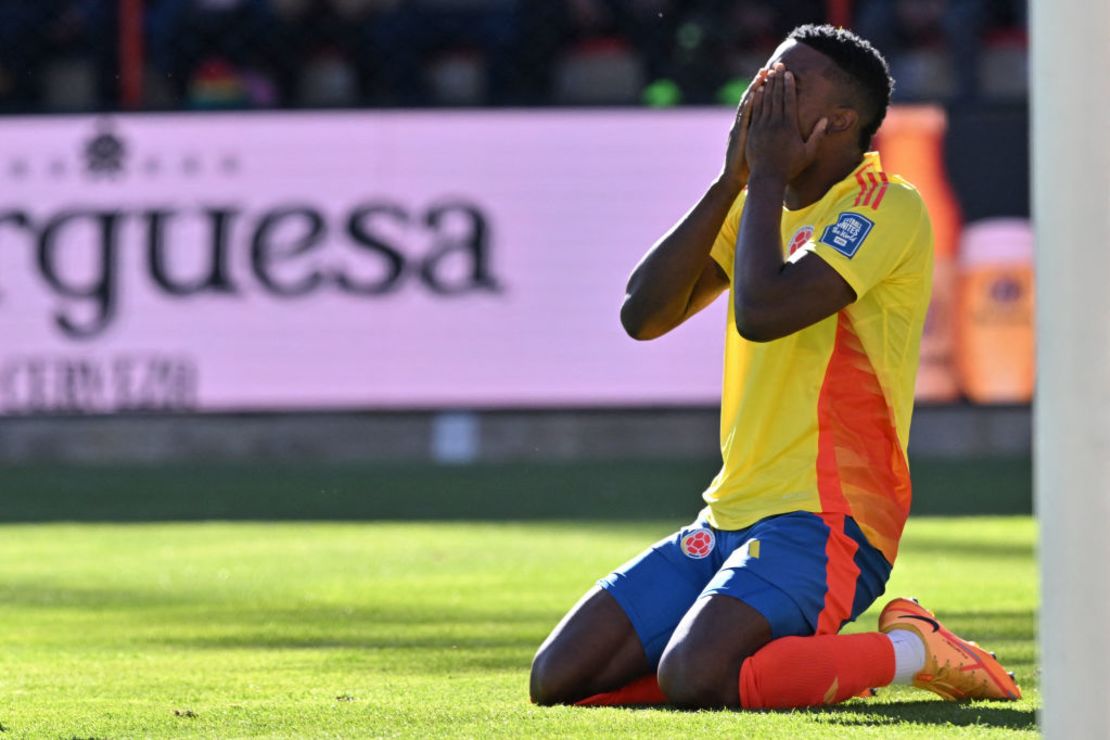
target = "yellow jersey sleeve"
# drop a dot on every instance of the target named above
(866, 244)
(724, 247)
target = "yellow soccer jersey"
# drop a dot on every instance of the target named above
(819, 420)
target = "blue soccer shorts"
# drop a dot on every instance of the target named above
(806, 573)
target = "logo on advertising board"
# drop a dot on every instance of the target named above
(289, 261)
(105, 152)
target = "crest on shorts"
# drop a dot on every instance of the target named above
(698, 543)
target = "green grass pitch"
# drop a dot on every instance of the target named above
(412, 630)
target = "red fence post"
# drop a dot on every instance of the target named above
(839, 12)
(131, 53)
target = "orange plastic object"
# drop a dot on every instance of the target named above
(996, 336)
(911, 143)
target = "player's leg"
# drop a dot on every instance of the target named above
(794, 671)
(617, 632)
(817, 589)
(593, 649)
(700, 666)
(748, 640)
(912, 647)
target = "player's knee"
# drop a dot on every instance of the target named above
(548, 684)
(690, 682)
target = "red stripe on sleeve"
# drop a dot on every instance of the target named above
(874, 183)
(882, 191)
(862, 186)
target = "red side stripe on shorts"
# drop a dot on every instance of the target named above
(841, 575)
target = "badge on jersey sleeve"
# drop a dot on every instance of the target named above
(847, 234)
(801, 236)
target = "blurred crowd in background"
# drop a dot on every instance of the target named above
(65, 55)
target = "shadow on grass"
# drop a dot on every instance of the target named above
(926, 546)
(987, 626)
(925, 712)
(602, 489)
(454, 637)
(983, 714)
(358, 641)
(399, 656)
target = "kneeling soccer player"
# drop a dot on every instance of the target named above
(829, 262)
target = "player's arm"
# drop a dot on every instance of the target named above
(774, 298)
(677, 277)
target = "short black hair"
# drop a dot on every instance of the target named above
(865, 69)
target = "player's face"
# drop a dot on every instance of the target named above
(818, 95)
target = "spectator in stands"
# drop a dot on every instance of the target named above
(749, 31)
(321, 51)
(952, 28)
(408, 36)
(80, 40)
(61, 54)
(214, 52)
(22, 50)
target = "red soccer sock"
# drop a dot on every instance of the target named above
(809, 671)
(641, 692)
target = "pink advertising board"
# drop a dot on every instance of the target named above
(344, 261)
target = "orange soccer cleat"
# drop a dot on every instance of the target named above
(954, 668)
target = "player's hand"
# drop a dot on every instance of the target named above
(776, 145)
(735, 172)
